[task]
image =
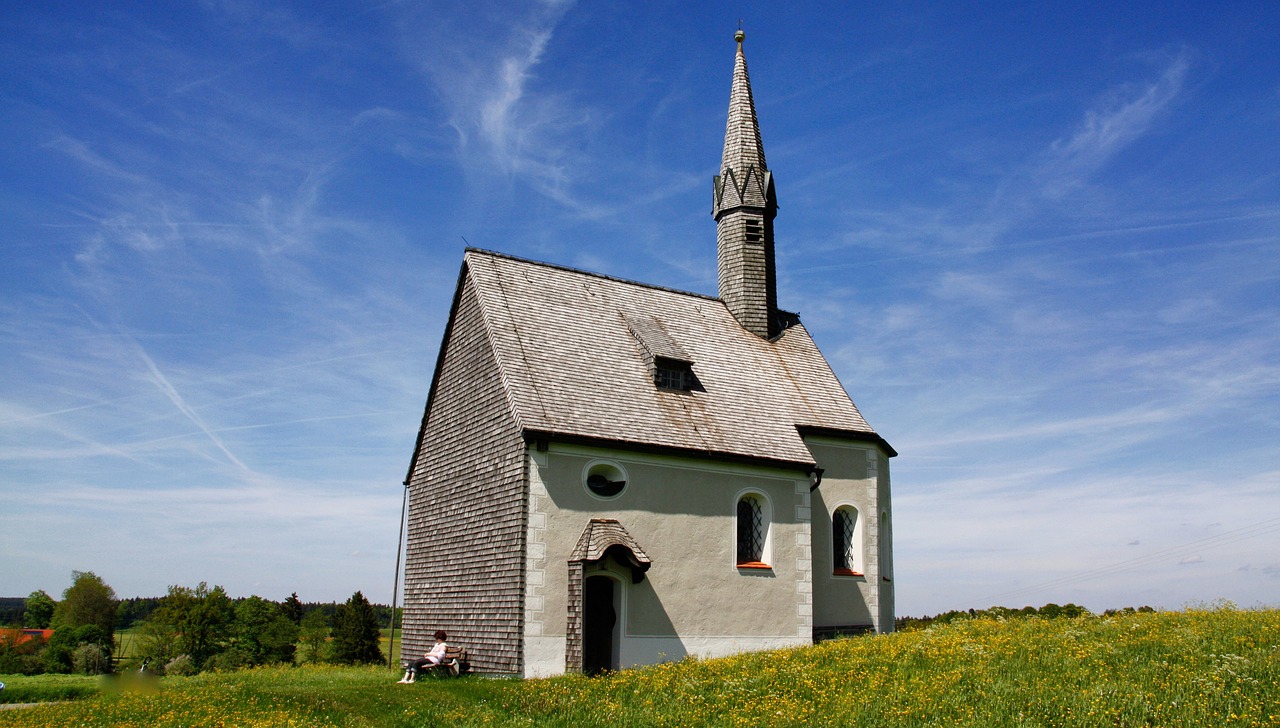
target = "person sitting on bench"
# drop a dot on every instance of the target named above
(431, 659)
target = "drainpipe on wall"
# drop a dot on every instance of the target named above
(815, 477)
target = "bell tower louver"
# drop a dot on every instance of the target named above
(744, 207)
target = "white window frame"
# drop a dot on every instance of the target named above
(856, 545)
(611, 469)
(766, 522)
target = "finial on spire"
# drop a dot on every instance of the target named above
(738, 36)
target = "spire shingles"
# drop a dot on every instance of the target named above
(744, 207)
(742, 147)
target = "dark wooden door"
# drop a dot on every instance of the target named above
(599, 626)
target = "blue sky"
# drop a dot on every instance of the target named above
(1039, 245)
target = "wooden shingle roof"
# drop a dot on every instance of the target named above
(567, 348)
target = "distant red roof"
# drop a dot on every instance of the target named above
(18, 636)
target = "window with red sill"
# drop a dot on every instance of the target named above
(751, 532)
(846, 542)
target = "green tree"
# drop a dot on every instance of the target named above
(263, 634)
(193, 622)
(314, 635)
(58, 653)
(156, 642)
(1073, 610)
(279, 640)
(85, 649)
(133, 611)
(92, 654)
(87, 601)
(292, 608)
(355, 633)
(38, 613)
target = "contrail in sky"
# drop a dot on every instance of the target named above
(169, 391)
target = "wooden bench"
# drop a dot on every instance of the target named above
(455, 663)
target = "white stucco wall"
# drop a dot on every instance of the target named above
(682, 512)
(884, 541)
(857, 475)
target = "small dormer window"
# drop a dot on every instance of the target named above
(669, 365)
(672, 374)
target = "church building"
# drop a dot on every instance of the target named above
(611, 473)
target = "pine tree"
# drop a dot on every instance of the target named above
(355, 633)
(292, 608)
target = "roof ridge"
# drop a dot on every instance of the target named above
(604, 276)
(593, 274)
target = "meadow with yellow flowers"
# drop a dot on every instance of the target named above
(1216, 666)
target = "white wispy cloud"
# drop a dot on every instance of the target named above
(1007, 213)
(248, 324)
(1125, 116)
(162, 532)
(81, 151)
(485, 71)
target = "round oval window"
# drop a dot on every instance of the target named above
(602, 486)
(605, 480)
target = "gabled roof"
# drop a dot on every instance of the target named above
(573, 368)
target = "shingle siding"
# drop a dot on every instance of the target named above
(464, 570)
(746, 269)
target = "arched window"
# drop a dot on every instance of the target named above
(846, 542)
(885, 540)
(751, 530)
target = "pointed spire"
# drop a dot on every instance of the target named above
(743, 149)
(744, 206)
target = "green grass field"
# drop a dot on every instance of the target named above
(33, 688)
(1216, 667)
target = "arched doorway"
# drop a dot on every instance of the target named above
(600, 628)
(598, 569)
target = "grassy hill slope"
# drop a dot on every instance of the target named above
(1216, 667)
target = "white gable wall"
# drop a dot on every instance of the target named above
(682, 513)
